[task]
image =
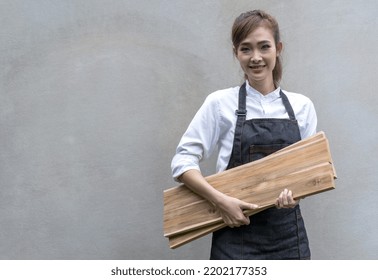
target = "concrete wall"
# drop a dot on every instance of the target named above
(95, 95)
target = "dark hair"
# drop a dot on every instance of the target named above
(249, 21)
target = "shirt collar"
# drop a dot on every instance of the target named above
(259, 96)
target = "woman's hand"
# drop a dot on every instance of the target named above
(229, 208)
(231, 211)
(286, 200)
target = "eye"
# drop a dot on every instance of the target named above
(245, 49)
(265, 47)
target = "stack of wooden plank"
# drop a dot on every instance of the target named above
(305, 167)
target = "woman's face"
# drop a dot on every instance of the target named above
(257, 55)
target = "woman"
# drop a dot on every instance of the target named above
(247, 123)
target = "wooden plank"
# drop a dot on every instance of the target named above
(184, 210)
(265, 193)
(312, 181)
(186, 234)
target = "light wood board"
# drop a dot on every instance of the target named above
(188, 216)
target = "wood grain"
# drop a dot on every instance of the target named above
(302, 188)
(185, 210)
(305, 167)
(319, 184)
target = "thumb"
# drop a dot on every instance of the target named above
(248, 206)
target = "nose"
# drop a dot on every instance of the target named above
(256, 57)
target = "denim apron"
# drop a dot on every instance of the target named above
(273, 233)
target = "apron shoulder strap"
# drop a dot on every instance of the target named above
(241, 113)
(287, 105)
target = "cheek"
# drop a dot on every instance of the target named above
(272, 61)
(243, 60)
(244, 66)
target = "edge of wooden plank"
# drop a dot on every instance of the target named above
(181, 239)
(297, 148)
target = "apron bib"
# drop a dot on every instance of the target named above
(273, 233)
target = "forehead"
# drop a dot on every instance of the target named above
(259, 34)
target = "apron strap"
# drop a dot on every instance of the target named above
(241, 113)
(287, 105)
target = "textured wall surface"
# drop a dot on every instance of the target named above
(95, 95)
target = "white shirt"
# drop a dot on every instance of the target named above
(213, 126)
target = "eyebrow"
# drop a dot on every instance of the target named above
(258, 43)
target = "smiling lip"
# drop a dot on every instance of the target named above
(257, 66)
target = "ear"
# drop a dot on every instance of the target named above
(235, 51)
(279, 48)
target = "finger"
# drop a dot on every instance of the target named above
(245, 220)
(227, 221)
(290, 198)
(241, 220)
(282, 199)
(293, 202)
(278, 206)
(285, 199)
(236, 221)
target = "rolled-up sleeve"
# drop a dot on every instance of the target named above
(311, 121)
(199, 140)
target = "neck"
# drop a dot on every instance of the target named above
(264, 87)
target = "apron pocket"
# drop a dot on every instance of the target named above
(259, 151)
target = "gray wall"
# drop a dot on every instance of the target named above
(95, 95)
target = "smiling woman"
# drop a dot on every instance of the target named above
(257, 55)
(250, 22)
(267, 119)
